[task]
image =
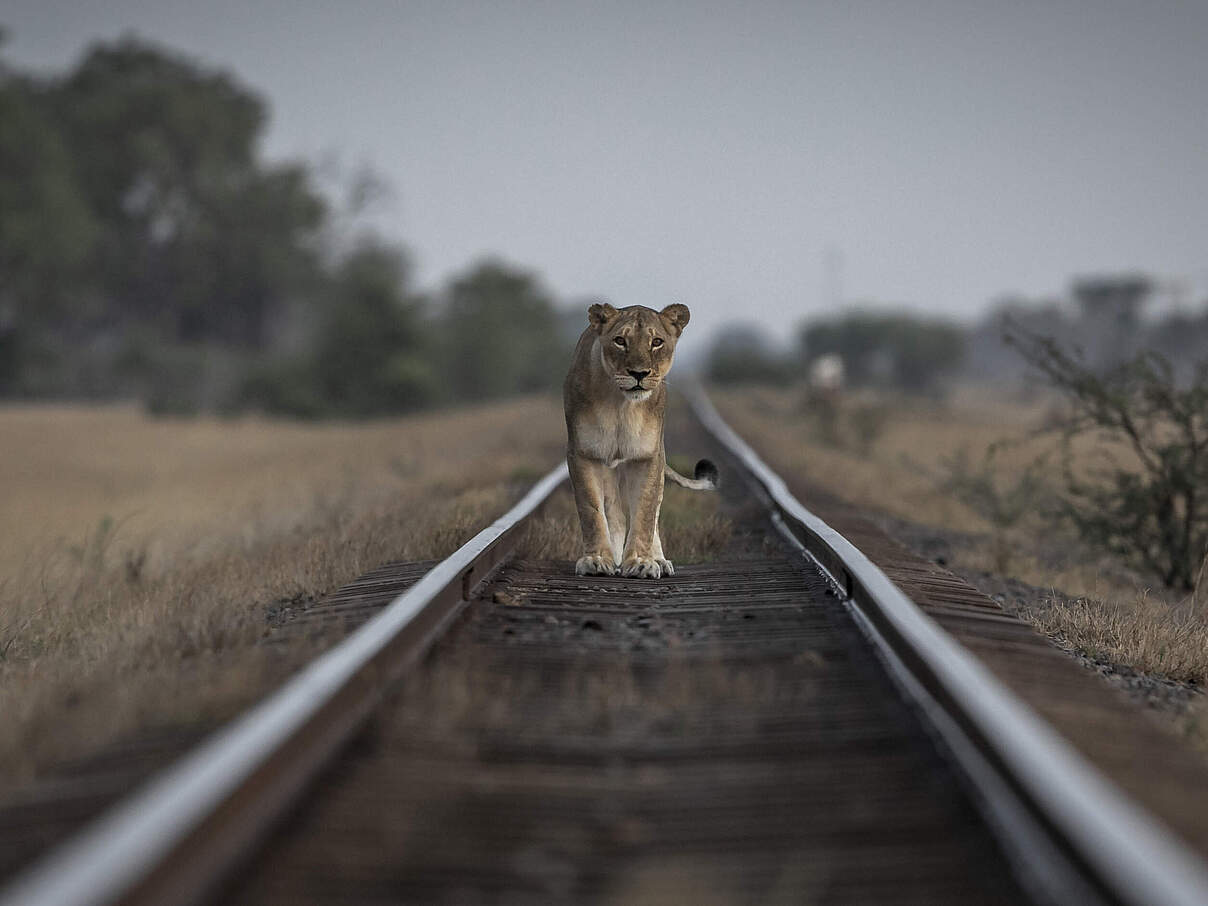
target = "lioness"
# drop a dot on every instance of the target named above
(615, 400)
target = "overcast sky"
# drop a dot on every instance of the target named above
(765, 159)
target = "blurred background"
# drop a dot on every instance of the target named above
(311, 210)
(288, 290)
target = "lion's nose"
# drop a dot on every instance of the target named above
(638, 375)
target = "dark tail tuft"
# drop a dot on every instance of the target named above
(707, 471)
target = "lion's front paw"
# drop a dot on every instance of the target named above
(643, 568)
(596, 565)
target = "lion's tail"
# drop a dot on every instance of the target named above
(707, 477)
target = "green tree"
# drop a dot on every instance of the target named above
(201, 239)
(500, 333)
(371, 351)
(47, 231)
(140, 227)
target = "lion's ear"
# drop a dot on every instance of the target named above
(676, 317)
(600, 314)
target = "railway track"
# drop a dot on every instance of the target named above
(783, 724)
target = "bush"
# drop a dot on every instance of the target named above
(498, 329)
(1152, 513)
(284, 387)
(741, 354)
(1002, 500)
(369, 354)
(845, 422)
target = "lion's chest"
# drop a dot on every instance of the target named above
(613, 436)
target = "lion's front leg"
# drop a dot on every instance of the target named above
(587, 480)
(642, 487)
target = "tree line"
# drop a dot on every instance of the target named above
(148, 250)
(892, 349)
(1104, 318)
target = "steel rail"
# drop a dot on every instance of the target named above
(1002, 746)
(178, 836)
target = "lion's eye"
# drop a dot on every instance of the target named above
(620, 341)
(656, 342)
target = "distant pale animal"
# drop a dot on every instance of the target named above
(827, 373)
(615, 401)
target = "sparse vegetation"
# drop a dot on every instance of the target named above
(138, 557)
(1150, 508)
(1098, 605)
(1004, 500)
(1147, 634)
(846, 422)
(867, 424)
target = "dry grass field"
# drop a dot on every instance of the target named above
(140, 556)
(901, 467)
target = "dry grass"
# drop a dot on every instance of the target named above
(140, 555)
(1152, 637)
(1097, 607)
(178, 486)
(892, 476)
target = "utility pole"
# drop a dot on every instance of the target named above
(832, 278)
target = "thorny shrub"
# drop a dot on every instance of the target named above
(1152, 511)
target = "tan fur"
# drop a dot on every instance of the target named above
(614, 428)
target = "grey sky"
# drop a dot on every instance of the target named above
(713, 153)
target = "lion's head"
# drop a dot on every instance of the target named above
(637, 344)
